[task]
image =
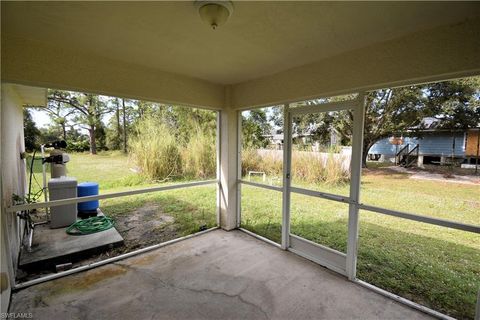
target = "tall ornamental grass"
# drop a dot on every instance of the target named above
(308, 167)
(160, 155)
(199, 155)
(155, 150)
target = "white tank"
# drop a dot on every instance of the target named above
(58, 189)
(57, 170)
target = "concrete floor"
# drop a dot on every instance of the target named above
(218, 275)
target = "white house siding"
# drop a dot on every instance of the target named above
(13, 181)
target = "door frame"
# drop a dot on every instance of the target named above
(342, 263)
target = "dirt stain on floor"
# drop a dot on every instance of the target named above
(77, 283)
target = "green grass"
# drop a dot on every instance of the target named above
(192, 208)
(437, 267)
(434, 266)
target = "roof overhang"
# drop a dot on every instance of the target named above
(30, 96)
(167, 57)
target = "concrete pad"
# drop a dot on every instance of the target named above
(52, 246)
(218, 275)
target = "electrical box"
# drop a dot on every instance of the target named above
(58, 189)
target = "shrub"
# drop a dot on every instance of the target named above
(309, 167)
(154, 149)
(271, 165)
(78, 146)
(314, 167)
(251, 161)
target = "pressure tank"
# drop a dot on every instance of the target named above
(89, 208)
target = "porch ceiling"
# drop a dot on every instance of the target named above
(261, 38)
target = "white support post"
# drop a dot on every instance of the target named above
(218, 158)
(239, 168)
(287, 159)
(355, 176)
(477, 309)
(228, 169)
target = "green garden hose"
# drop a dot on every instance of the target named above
(90, 225)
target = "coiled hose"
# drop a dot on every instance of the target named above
(91, 225)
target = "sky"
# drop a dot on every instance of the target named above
(41, 118)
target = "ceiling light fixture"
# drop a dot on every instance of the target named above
(214, 13)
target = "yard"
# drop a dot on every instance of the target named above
(145, 219)
(434, 266)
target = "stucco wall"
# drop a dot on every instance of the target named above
(13, 180)
(34, 63)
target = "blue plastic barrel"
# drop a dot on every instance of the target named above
(87, 189)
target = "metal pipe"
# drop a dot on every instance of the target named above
(424, 219)
(265, 186)
(250, 233)
(403, 300)
(287, 177)
(44, 176)
(106, 261)
(478, 151)
(62, 202)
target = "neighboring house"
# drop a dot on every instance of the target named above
(275, 139)
(435, 145)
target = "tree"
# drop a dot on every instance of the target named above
(58, 112)
(455, 103)
(390, 112)
(30, 131)
(255, 126)
(400, 111)
(114, 130)
(89, 110)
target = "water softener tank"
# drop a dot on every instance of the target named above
(89, 208)
(58, 189)
(58, 169)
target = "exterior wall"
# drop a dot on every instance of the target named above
(430, 145)
(13, 181)
(473, 135)
(49, 66)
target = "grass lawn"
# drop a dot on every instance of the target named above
(434, 266)
(437, 267)
(188, 210)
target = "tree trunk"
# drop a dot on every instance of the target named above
(93, 142)
(124, 127)
(366, 146)
(64, 130)
(117, 115)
